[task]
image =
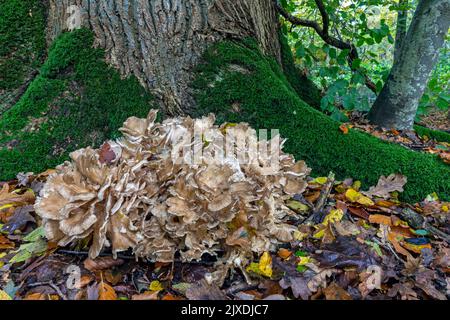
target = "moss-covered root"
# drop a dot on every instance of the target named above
(22, 46)
(258, 92)
(76, 101)
(304, 87)
(439, 136)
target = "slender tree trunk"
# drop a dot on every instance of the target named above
(396, 106)
(402, 22)
(160, 41)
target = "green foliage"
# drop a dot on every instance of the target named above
(264, 98)
(305, 88)
(22, 40)
(370, 25)
(76, 101)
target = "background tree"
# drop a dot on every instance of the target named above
(397, 104)
(402, 27)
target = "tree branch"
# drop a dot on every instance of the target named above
(323, 32)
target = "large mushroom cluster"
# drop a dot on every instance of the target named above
(141, 192)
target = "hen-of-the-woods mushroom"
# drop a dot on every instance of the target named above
(142, 192)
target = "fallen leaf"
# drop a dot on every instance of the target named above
(101, 263)
(203, 291)
(335, 292)
(284, 253)
(106, 292)
(385, 186)
(298, 285)
(171, 297)
(359, 212)
(335, 215)
(264, 267)
(155, 286)
(148, 295)
(380, 219)
(5, 243)
(344, 128)
(36, 296)
(319, 180)
(106, 154)
(354, 196)
(19, 219)
(4, 295)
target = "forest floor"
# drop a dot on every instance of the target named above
(437, 120)
(368, 246)
(416, 140)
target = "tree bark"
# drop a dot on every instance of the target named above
(402, 22)
(161, 41)
(397, 104)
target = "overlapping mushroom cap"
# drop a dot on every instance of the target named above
(145, 192)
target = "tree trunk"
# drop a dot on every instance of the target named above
(402, 22)
(396, 106)
(161, 41)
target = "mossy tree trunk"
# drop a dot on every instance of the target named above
(161, 41)
(397, 103)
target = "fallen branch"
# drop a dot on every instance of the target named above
(317, 214)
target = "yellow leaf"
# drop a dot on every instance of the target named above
(354, 196)
(299, 235)
(304, 260)
(155, 286)
(4, 295)
(320, 233)
(356, 185)
(445, 208)
(320, 180)
(265, 265)
(9, 205)
(416, 248)
(334, 216)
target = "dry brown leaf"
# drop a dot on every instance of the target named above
(106, 292)
(284, 253)
(380, 219)
(5, 243)
(335, 292)
(359, 212)
(41, 296)
(101, 263)
(147, 295)
(385, 186)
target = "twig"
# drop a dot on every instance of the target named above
(86, 253)
(322, 201)
(389, 247)
(323, 32)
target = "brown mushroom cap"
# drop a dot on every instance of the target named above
(140, 198)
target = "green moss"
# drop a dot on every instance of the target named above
(22, 39)
(264, 98)
(76, 101)
(304, 87)
(439, 136)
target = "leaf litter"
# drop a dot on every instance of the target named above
(123, 222)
